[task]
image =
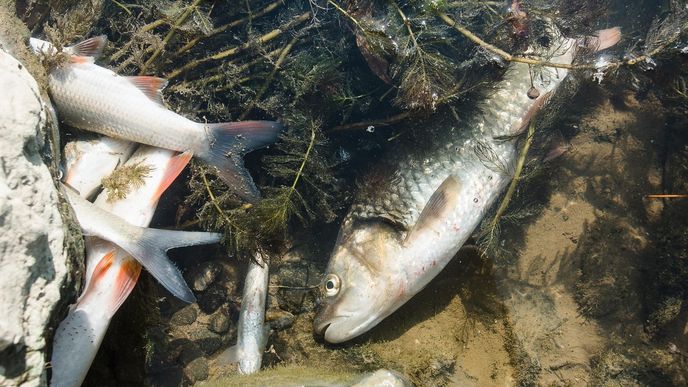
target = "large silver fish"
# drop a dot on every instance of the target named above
(412, 217)
(94, 98)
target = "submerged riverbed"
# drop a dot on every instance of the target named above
(586, 278)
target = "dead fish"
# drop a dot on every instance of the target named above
(96, 99)
(252, 332)
(417, 211)
(111, 273)
(88, 161)
(147, 245)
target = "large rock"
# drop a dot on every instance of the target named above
(33, 258)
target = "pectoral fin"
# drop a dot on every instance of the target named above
(441, 202)
(150, 86)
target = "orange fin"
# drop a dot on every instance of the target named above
(604, 39)
(127, 277)
(92, 47)
(75, 59)
(150, 86)
(174, 167)
(98, 273)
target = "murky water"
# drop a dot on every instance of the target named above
(586, 281)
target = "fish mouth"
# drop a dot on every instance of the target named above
(341, 328)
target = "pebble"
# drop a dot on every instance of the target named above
(219, 321)
(205, 275)
(212, 299)
(190, 352)
(208, 341)
(185, 316)
(197, 370)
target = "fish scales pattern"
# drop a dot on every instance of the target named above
(418, 173)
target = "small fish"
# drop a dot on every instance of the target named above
(96, 99)
(88, 161)
(252, 333)
(418, 208)
(111, 272)
(147, 245)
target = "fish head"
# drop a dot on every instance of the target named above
(362, 281)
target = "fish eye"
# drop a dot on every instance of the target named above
(332, 285)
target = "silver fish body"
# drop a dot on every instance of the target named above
(252, 331)
(94, 98)
(415, 212)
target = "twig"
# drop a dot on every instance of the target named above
(235, 50)
(503, 54)
(348, 15)
(187, 12)
(124, 7)
(268, 81)
(514, 182)
(217, 206)
(269, 8)
(667, 196)
(365, 124)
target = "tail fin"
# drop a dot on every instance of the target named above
(228, 142)
(150, 250)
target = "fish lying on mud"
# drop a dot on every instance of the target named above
(111, 273)
(421, 206)
(252, 332)
(94, 98)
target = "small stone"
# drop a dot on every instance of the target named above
(197, 370)
(190, 352)
(185, 316)
(219, 321)
(208, 341)
(205, 275)
(279, 319)
(212, 299)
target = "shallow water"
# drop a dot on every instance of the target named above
(586, 283)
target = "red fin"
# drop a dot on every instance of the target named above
(174, 167)
(90, 47)
(98, 273)
(127, 277)
(604, 39)
(150, 86)
(80, 59)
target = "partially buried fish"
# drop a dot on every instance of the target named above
(410, 222)
(111, 272)
(94, 98)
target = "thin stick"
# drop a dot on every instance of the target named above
(503, 54)
(365, 124)
(235, 50)
(514, 182)
(187, 12)
(268, 81)
(269, 8)
(667, 196)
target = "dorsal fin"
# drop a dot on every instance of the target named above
(150, 86)
(92, 47)
(442, 200)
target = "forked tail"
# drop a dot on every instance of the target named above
(227, 144)
(150, 250)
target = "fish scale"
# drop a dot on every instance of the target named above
(419, 173)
